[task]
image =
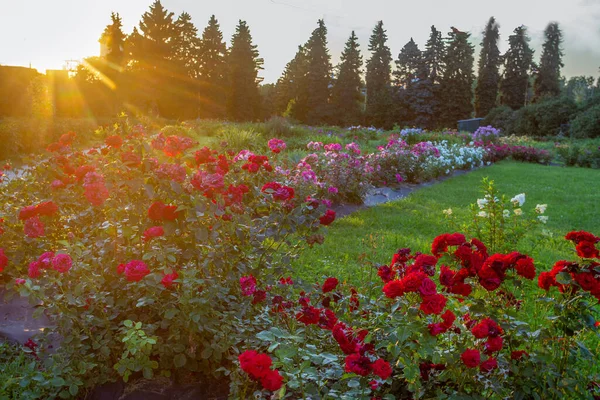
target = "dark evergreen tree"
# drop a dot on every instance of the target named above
(243, 99)
(213, 71)
(518, 61)
(152, 61)
(488, 77)
(547, 81)
(314, 94)
(289, 86)
(378, 77)
(187, 46)
(346, 95)
(456, 85)
(408, 73)
(113, 40)
(433, 58)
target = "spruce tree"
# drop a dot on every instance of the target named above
(315, 91)
(187, 45)
(433, 59)
(456, 85)
(406, 76)
(434, 55)
(379, 99)
(547, 81)
(289, 85)
(151, 60)
(346, 95)
(113, 39)
(518, 61)
(212, 68)
(488, 77)
(243, 97)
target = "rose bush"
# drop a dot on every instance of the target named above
(144, 229)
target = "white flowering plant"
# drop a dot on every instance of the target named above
(500, 221)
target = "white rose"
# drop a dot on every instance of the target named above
(482, 214)
(482, 203)
(541, 208)
(518, 200)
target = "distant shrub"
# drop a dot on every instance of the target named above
(238, 139)
(545, 118)
(278, 127)
(582, 156)
(502, 117)
(587, 123)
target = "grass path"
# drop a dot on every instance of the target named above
(572, 195)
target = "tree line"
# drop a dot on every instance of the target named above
(166, 67)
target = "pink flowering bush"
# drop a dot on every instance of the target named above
(151, 230)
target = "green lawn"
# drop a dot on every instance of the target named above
(572, 195)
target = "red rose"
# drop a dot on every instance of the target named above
(525, 267)
(19, 281)
(518, 354)
(393, 289)
(3, 260)
(169, 280)
(493, 345)
(471, 358)
(260, 366)
(427, 288)
(62, 263)
(272, 380)
(259, 296)
(330, 284)
(412, 282)
(328, 218)
(360, 365)
(152, 232)
(114, 141)
(248, 285)
(96, 193)
(489, 279)
(488, 365)
(309, 315)
(446, 276)
(386, 273)
(587, 249)
(136, 270)
(34, 269)
(34, 228)
(433, 304)
(546, 280)
(480, 330)
(382, 369)
(581, 236)
(47, 208)
(160, 211)
(27, 212)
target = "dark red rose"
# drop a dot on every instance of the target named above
(330, 284)
(587, 249)
(382, 368)
(433, 304)
(328, 218)
(34, 228)
(360, 365)
(393, 289)
(168, 280)
(136, 270)
(152, 232)
(488, 365)
(271, 380)
(471, 358)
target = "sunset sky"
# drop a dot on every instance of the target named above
(46, 33)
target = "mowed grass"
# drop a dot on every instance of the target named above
(572, 195)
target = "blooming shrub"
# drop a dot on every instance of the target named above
(486, 134)
(531, 154)
(144, 230)
(449, 324)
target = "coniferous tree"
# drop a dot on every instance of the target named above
(187, 45)
(434, 56)
(289, 86)
(547, 81)
(456, 85)
(213, 71)
(378, 77)
(518, 61)
(346, 95)
(152, 60)
(488, 77)
(315, 90)
(113, 39)
(433, 59)
(243, 100)
(408, 66)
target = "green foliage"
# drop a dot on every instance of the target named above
(502, 118)
(378, 79)
(456, 86)
(518, 61)
(586, 124)
(545, 118)
(237, 139)
(547, 80)
(244, 101)
(137, 352)
(347, 99)
(488, 76)
(574, 154)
